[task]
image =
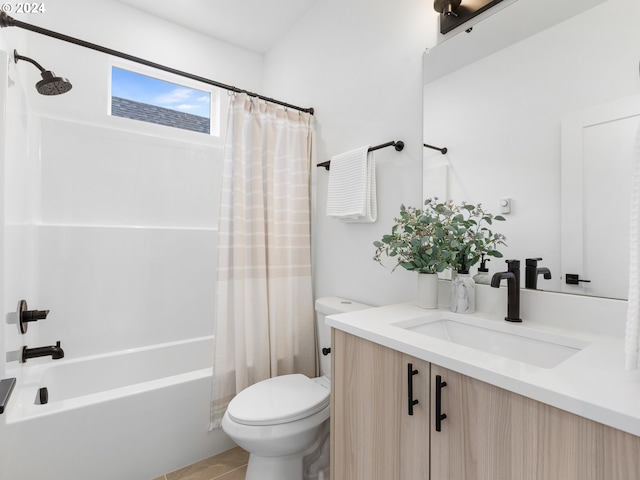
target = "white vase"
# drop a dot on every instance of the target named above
(463, 294)
(428, 290)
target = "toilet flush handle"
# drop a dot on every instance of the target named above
(326, 351)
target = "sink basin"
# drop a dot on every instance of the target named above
(535, 347)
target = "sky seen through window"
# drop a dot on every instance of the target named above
(152, 91)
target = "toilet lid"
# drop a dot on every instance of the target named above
(278, 400)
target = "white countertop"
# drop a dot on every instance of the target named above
(592, 383)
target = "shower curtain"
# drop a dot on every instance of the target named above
(264, 303)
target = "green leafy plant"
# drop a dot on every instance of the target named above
(441, 235)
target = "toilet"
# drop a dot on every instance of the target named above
(283, 422)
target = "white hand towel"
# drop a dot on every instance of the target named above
(632, 337)
(352, 186)
(371, 202)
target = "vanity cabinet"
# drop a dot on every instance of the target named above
(373, 437)
(488, 433)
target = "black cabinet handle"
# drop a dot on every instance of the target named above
(410, 373)
(439, 415)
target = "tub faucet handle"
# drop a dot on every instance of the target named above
(26, 315)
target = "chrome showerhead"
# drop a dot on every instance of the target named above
(50, 84)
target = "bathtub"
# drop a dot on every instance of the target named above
(128, 415)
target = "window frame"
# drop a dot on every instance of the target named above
(216, 107)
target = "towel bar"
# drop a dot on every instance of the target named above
(442, 150)
(399, 146)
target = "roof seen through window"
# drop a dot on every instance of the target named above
(152, 91)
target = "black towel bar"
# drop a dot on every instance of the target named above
(399, 145)
(442, 150)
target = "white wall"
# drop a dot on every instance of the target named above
(359, 63)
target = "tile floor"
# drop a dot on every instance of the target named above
(229, 465)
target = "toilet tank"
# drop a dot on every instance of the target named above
(330, 306)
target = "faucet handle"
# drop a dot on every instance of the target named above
(532, 262)
(25, 315)
(513, 264)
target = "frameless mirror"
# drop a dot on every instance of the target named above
(538, 107)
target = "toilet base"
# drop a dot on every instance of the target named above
(274, 468)
(312, 464)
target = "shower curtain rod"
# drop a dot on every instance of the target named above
(7, 21)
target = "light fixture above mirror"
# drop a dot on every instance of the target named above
(456, 12)
(448, 8)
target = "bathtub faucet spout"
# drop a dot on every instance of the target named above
(55, 351)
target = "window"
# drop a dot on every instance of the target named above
(148, 99)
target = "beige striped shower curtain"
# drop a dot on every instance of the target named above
(264, 304)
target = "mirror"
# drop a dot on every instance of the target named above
(538, 105)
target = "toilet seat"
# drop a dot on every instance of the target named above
(278, 400)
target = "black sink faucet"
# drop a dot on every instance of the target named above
(52, 350)
(531, 272)
(512, 276)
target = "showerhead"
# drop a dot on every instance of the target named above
(50, 84)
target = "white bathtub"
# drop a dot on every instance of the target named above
(129, 415)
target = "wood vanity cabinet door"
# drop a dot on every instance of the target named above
(475, 441)
(372, 435)
(490, 433)
(621, 456)
(414, 429)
